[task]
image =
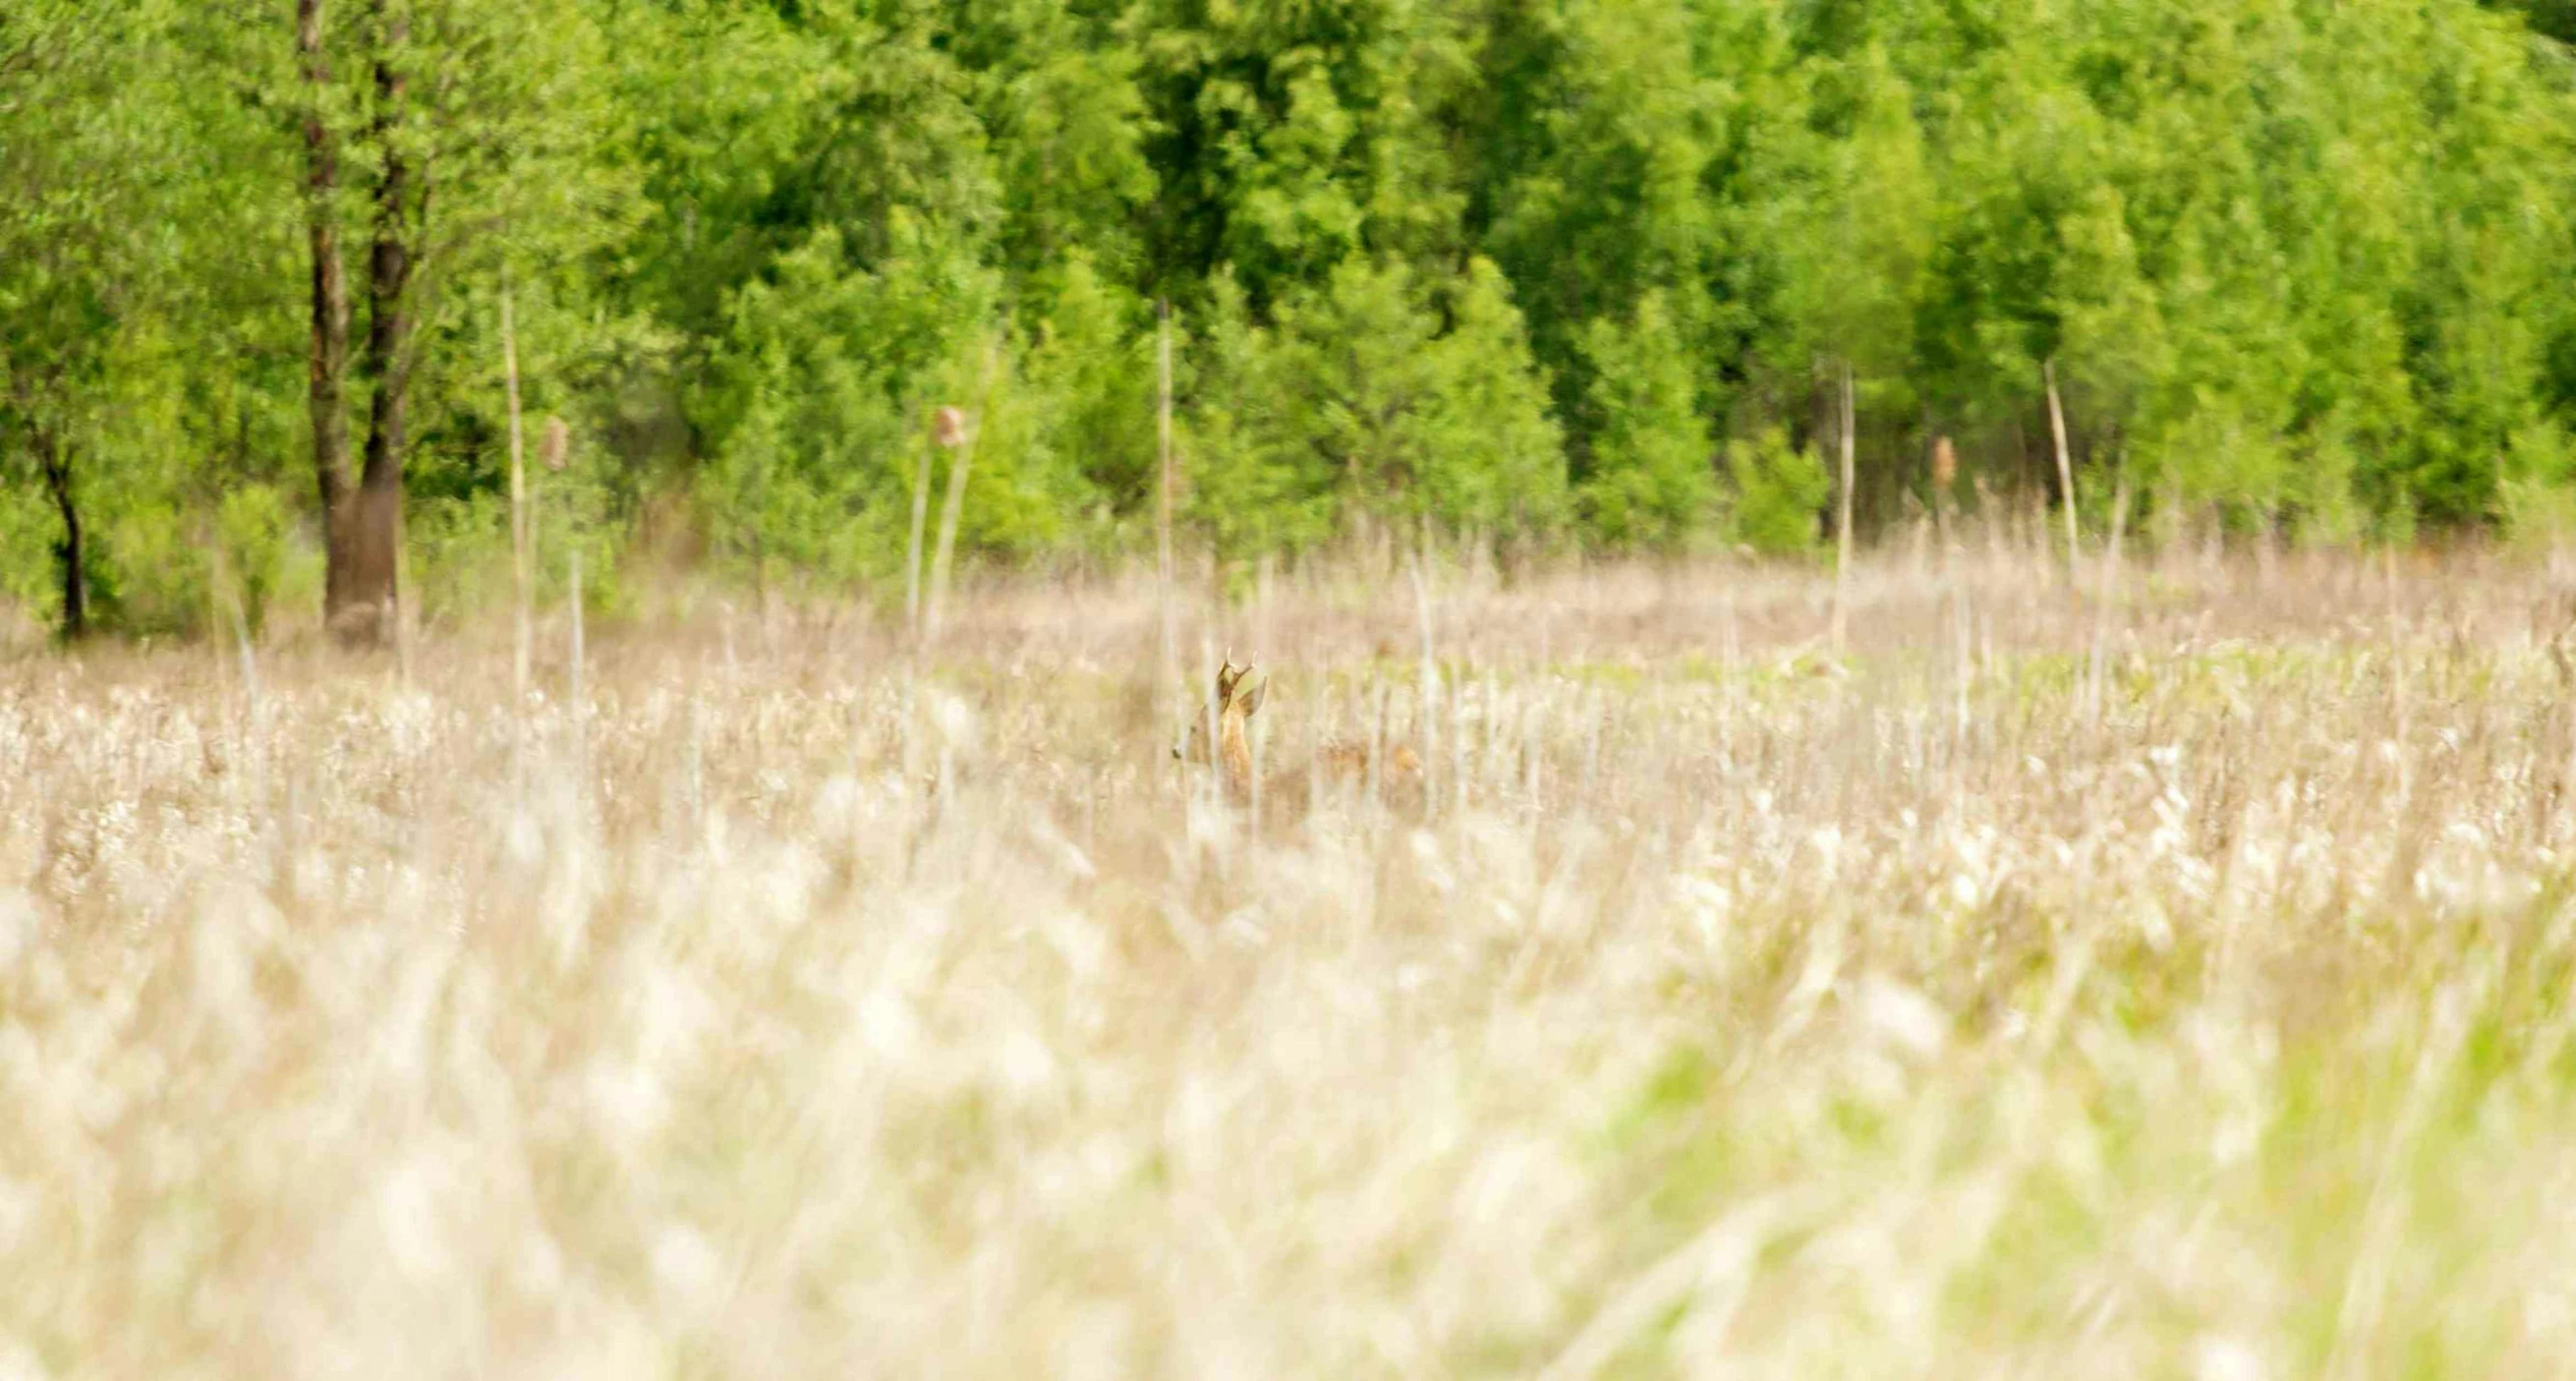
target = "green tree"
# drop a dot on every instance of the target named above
(1253, 484)
(1779, 492)
(477, 129)
(1652, 480)
(820, 397)
(80, 163)
(1418, 422)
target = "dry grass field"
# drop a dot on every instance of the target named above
(2174, 989)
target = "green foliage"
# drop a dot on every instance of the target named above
(819, 397)
(1509, 268)
(252, 525)
(1364, 384)
(1780, 494)
(1493, 458)
(1359, 401)
(1091, 380)
(1652, 483)
(1253, 486)
(2539, 487)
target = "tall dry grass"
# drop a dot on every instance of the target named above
(772, 1013)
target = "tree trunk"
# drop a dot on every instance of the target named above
(326, 397)
(75, 579)
(371, 588)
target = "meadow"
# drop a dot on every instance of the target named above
(2173, 984)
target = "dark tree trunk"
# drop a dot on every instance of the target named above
(57, 467)
(327, 396)
(377, 536)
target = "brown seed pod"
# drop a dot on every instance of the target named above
(949, 427)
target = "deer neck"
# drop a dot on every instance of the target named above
(1235, 749)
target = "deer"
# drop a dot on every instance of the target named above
(1239, 695)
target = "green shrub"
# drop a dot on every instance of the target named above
(1780, 491)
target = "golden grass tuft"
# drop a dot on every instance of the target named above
(1914, 1019)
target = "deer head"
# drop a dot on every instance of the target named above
(1238, 695)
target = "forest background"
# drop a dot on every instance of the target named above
(1543, 276)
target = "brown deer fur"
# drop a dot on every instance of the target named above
(1238, 697)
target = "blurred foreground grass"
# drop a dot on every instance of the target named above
(1927, 1012)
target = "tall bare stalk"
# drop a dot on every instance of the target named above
(2104, 596)
(578, 695)
(2065, 481)
(961, 462)
(1169, 670)
(948, 420)
(1843, 517)
(1945, 478)
(1430, 691)
(519, 534)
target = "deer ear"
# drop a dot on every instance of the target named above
(1252, 702)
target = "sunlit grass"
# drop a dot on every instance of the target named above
(1732, 1006)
